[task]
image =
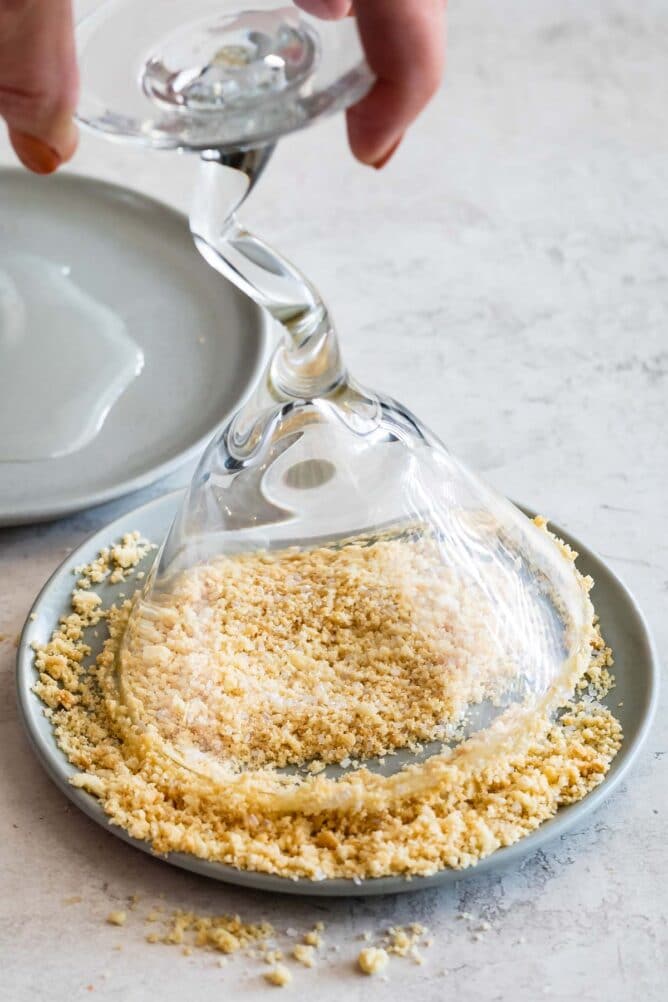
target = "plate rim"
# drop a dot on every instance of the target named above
(47, 752)
(46, 512)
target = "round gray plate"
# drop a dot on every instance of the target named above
(636, 671)
(203, 341)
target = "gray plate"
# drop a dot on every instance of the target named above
(636, 671)
(203, 341)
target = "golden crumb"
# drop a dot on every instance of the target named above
(115, 563)
(279, 976)
(313, 938)
(117, 918)
(304, 954)
(372, 960)
(272, 956)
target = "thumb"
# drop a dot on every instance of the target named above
(38, 81)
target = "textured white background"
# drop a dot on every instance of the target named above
(506, 277)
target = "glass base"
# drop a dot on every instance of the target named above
(222, 62)
(205, 74)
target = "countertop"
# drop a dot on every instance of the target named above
(506, 277)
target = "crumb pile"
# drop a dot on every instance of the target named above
(452, 823)
(317, 656)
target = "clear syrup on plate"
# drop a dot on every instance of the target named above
(65, 359)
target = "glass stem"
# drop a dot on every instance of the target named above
(307, 362)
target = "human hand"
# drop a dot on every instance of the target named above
(404, 45)
(403, 42)
(38, 81)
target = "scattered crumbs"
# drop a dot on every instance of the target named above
(32, 617)
(313, 938)
(620, 704)
(467, 916)
(272, 956)
(114, 563)
(133, 901)
(415, 955)
(119, 947)
(372, 960)
(484, 926)
(152, 916)
(304, 954)
(366, 935)
(153, 937)
(512, 799)
(290, 932)
(187, 951)
(222, 961)
(279, 976)
(74, 900)
(117, 918)
(3, 637)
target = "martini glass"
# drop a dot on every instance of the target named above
(313, 460)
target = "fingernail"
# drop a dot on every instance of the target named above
(35, 154)
(388, 155)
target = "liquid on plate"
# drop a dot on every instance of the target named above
(65, 359)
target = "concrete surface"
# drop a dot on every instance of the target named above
(506, 277)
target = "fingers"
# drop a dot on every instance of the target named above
(404, 42)
(38, 80)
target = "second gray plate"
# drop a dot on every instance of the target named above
(623, 625)
(203, 341)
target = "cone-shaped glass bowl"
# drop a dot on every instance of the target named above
(342, 613)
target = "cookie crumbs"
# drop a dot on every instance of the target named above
(562, 766)
(272, 956)
(115, 563)
(304, 954)
(117, 918)
(372, 960)
(279, 976)
(313, 937)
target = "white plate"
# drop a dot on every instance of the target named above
(636, 673)
(203, 341)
